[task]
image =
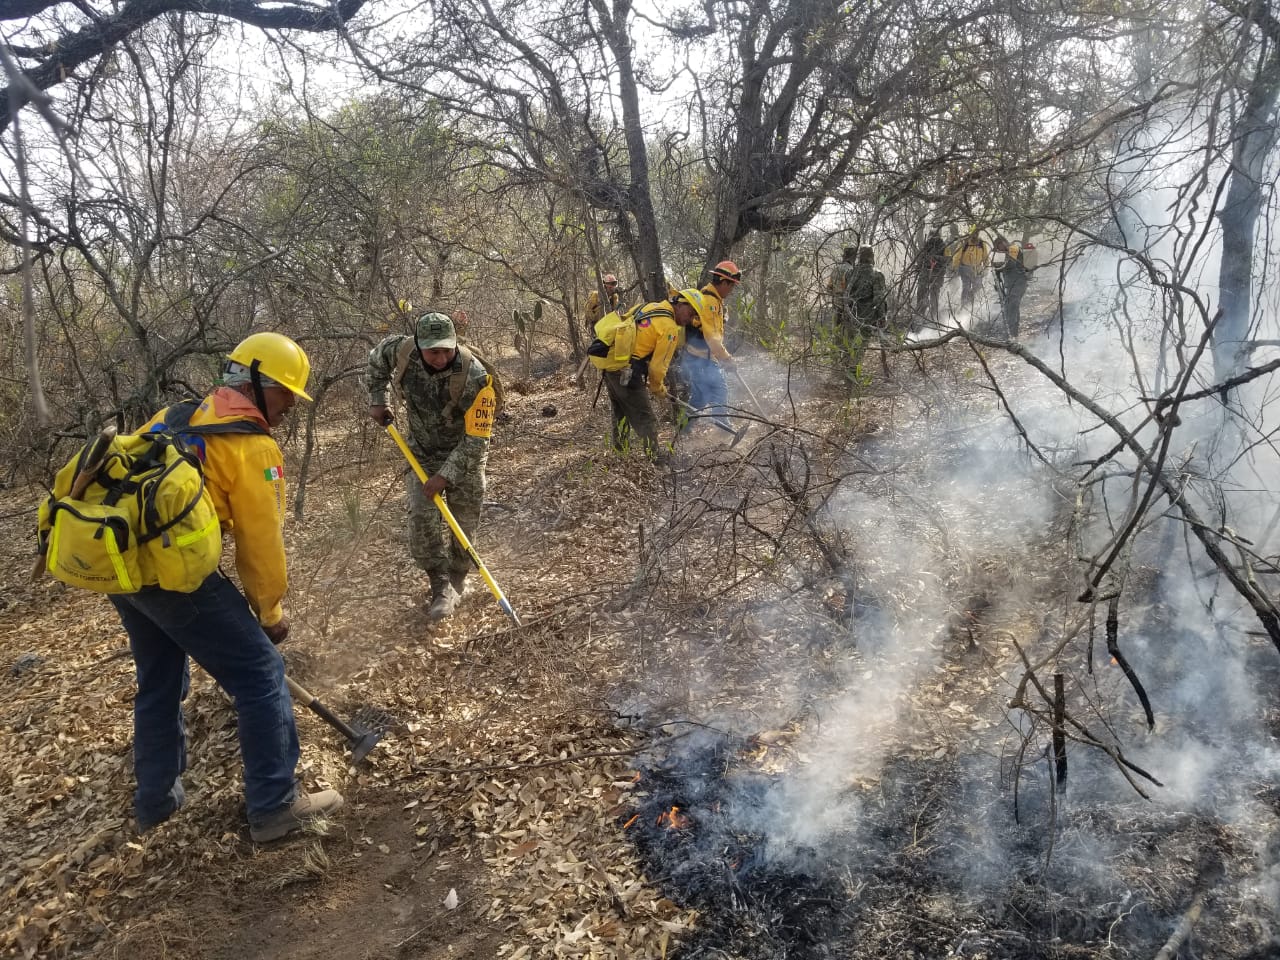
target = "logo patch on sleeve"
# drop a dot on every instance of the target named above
(272, 474)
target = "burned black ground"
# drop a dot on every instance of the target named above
(925, 871)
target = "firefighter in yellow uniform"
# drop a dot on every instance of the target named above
(658, 326)
(705, 354)
(593, 310)
(230, 634)
(970, 261)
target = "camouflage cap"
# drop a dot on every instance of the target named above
(436, 330)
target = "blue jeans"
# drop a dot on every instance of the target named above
(215, 627)
(709, 389)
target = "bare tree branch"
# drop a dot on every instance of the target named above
(56, 61)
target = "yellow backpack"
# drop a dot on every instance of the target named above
(141, 517)
(615, 340)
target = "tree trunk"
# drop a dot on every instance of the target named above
(760, 310)
(652, 279)
(1254, 136)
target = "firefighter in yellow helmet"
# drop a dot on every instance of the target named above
(658, 326)
(232, 635)
(705, 352)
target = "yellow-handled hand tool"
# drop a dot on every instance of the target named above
(496, 590)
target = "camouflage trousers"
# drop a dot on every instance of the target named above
(432, 544)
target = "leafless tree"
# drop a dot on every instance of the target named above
(1249, 45)
(50, 40)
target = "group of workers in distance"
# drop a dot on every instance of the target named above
(859, 293)
(680, 338)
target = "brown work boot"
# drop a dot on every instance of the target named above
(295, 816)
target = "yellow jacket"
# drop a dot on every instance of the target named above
(594, 311)
(707, 338)
(244, 473)
(657, 336)
(973, 255)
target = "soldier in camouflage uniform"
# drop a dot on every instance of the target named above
(866, 295)
(449, 436)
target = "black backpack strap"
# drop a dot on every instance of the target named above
(152, 527)
(232, 426)
(128, 484)
(179, 414)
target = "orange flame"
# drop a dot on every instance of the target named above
(631, 821)
(673, 818)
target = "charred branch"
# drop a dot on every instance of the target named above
(1183, 930)
(1083, 733)
(796, 492)
(1113, 648)
(1220, 390)
(1059, 734)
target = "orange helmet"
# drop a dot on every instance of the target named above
(727, 270)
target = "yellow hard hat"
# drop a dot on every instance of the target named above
(696, 299)
(276, 357)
